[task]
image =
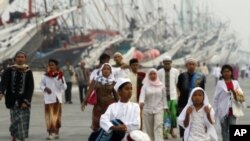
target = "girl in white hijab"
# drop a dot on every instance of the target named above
(197, 117)
(153, 101)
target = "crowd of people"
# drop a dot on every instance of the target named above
(128, 104)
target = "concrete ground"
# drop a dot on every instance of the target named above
(76, 124)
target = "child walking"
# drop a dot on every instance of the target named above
(53, 85)
(197, 117)
(121, 117)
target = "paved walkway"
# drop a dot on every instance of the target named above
(75, 123)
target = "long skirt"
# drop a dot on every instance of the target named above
(170, 119)
(20, 119)
(53, 113)
(98, 110)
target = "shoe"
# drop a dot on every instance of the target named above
(57, 136)
(70, 102)
(50, 137)
(174, 135)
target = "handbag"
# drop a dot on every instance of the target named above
(92, 98)
(237, 107)
(166, 125)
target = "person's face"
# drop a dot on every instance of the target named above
(82, 64)
(167, 65)
(152, 76)
(198, 97)
(226, 73)
(106, 70)
(67, 63)
(126, 92)
(134, 67)
(20, 59)
(118, 59)
(52, 66)
(191, 66)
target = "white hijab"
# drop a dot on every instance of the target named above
(182, 116)
(103, 80)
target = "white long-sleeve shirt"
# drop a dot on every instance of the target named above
(128, 113)
(56, 86)
(154, 99)
(173, 76)
(120, 73)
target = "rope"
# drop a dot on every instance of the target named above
(99, 12)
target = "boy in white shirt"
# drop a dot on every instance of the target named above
(121, 117)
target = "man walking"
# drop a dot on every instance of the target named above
(68, 72)
(82, 76)
(17, 87)
(169, 77)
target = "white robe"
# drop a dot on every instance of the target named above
(133, 79)
(120, 73)
(128, 113)
(174, 73)
(210, 127)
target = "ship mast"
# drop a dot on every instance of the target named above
(45, 6)
(30, 8)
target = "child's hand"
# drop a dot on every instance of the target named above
(122, 128)
(48, 90)
(207, 109)
(189, 110)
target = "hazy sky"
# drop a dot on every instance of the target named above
(238, 11)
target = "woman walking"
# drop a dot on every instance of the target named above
(225, 95)
(103, 85)
(153, 101)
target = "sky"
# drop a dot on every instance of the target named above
(238, 12)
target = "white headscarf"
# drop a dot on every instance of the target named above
(211, 130)
(103, 80)
(146, 81)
